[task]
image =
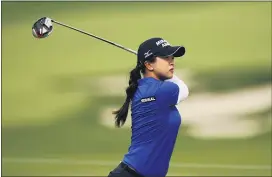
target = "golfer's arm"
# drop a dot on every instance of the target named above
(183, 89)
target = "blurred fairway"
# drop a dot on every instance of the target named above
(46, 115)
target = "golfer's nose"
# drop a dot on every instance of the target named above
(171, 61)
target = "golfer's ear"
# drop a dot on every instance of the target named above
(148, 66)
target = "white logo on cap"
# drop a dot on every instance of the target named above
(162, 42)
(147, 54)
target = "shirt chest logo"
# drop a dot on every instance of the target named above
(148, 99)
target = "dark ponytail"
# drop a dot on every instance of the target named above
(121, 114)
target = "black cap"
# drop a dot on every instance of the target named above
(158, 47)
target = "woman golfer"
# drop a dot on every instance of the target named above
(155, 118)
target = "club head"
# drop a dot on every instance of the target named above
(42, 28)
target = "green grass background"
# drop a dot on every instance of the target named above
(45, 114)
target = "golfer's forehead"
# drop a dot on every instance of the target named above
(165, 58)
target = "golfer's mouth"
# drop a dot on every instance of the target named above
(172, 70)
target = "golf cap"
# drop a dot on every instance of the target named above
(158, 47)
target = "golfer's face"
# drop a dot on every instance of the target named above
(164, 67)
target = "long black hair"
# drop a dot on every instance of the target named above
(121, 114)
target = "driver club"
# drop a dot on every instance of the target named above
(43, 28)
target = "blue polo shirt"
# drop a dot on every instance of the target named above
(155, 125)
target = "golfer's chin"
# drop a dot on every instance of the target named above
(169, 75)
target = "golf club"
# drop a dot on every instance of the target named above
(43, 28)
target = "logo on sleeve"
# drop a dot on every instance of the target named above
(148, 99)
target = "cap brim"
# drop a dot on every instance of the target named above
(175, 51)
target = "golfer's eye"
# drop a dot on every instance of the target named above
(169, 58)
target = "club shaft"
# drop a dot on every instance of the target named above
(97, 37)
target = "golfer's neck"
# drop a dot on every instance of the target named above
(151, 74)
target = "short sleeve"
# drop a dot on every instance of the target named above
(168, 94)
